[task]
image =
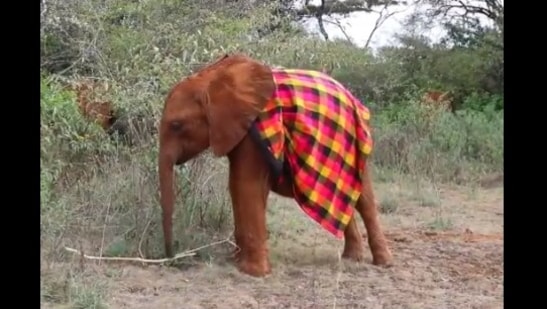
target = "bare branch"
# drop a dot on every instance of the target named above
(380, 21)
(492, 9)
(129, 259)
(150, 261)
(319, 16)
(330, 7)
(339, 7)
(338, 24)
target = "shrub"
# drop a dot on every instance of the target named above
(447, 147)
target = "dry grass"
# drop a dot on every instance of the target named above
(460, 266)
(102, 198)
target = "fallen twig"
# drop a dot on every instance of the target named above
(130, 259)
(150, 261)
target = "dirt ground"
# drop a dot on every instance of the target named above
(447, 244)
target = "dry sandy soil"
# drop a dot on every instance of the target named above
(447, 244)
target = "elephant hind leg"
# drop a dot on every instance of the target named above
(353, 243)
(366, 206)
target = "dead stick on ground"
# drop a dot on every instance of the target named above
(151, 261)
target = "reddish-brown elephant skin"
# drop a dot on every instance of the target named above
(215, 108)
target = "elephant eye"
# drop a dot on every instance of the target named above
(175, 126)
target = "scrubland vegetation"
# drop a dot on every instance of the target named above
(99, 192)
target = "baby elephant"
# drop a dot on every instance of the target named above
(298, 133)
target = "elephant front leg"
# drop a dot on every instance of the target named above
(250, 229)
(249, 187)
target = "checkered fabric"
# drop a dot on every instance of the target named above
(317, 127)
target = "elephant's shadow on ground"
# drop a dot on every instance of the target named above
(311, 255)
(290, 256)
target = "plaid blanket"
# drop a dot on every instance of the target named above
(316, 130)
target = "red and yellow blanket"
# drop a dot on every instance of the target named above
(317, 127)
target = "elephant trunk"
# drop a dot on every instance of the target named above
(167, 199)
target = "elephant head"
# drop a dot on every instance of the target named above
(215, 108)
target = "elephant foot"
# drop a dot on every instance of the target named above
(353, 244)
(354, 254)
(383, 258)
(255, 268)
(252, 259)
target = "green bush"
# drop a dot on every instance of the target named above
(446, 146)
(103, 192)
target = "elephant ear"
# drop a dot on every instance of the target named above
(236, 89)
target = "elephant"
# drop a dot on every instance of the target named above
(249, 112)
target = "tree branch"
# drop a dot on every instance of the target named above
(493, 9)
(339, 25)
(319, 16)
(380, 21)
(152, 261)
(338, 7)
